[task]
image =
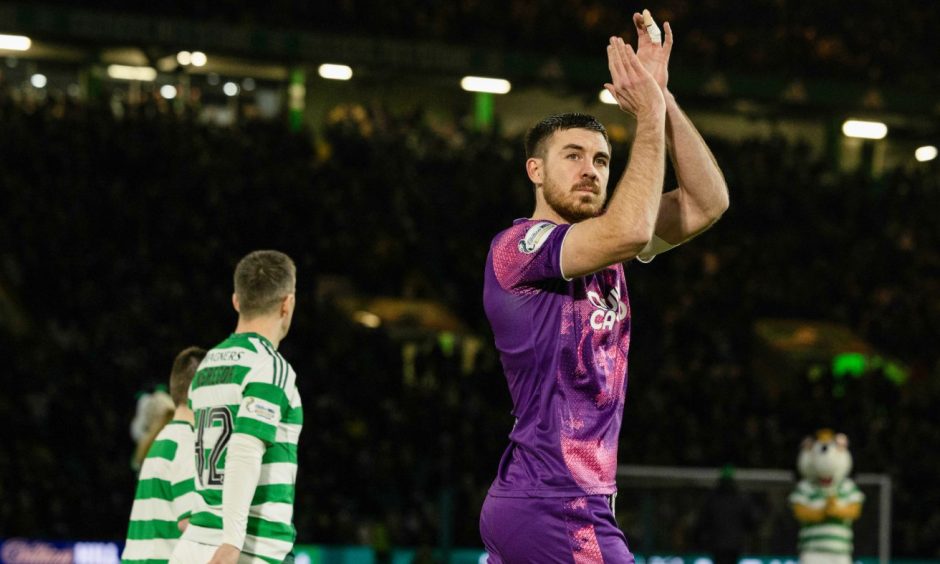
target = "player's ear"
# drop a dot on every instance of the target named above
(534, 167)
(287, 304)
(235, 303)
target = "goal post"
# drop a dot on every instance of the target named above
(657, 507)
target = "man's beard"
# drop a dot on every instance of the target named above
(568, 205)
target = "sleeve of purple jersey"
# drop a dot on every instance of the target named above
(527, 253)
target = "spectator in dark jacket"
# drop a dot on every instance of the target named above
(725, 520)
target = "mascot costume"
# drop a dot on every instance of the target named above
(826, 501)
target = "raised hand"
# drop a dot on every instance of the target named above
(632, 86)
(655, 57)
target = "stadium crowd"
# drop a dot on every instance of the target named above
(118, 236)
(861, 40)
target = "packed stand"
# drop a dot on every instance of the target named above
(861, 40)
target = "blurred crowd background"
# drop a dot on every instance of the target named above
(120, 226)
(864, 39)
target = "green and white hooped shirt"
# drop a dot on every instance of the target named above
(832, 535)
(165, 495)
(245, 386)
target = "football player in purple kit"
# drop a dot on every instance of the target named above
(556, 298)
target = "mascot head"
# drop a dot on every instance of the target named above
(825, 459)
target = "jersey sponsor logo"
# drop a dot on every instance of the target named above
(261, 409)
(535, 237)
(607, 313)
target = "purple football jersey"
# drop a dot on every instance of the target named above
(563, 346)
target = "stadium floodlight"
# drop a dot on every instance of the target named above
(484, 84)
(199, 59)
(184, 58)
(38, 80)
(230, 89)
(925, 153)
(126, 72)
(864, 129)
(335, 72)
(368, 319)
(168, 91)
(606, 97)
(15, 42)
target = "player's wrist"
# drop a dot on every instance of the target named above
(233, 540)
(654, 111)
(650, 120)
(670, 99)
(225, 554)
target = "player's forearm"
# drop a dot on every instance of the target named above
(242, 471)
(696, 168)
(635, 203)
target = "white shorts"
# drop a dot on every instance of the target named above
(191, 552)
(824, 558)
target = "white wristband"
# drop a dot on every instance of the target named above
(654, 247)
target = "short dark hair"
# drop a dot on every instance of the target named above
(262, 280)
(540, 132)
(184, 368)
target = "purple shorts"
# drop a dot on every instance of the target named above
(544, 530)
